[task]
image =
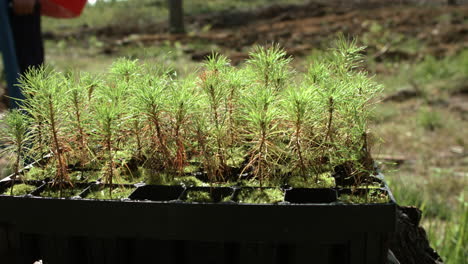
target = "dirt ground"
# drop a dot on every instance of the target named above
(301, 28)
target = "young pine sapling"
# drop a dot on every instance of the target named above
(15, 134)
(46, 92)
(215, 92)
(182, 97)
(299, 109)
(262, 119)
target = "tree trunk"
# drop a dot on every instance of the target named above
(451, 2)
(409, 243)
(176, 16)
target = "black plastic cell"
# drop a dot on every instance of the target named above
(310, 195)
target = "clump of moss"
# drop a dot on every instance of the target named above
(125, 176)
(116, 193)
(260, 196)
(191, 168)
(199, 196)
(189, 181)
(225, 184)
(226, 199)
(163, 178)
(36, 173)
(84, 176)
(156, 178)
(371, 197)
(64, 193)
(256, 183)
(20, 189)
(323, 180)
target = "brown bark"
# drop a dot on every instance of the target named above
(409, 243)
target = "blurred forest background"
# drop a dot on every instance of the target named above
(418, 49)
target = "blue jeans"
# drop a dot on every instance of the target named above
(27, 36)
(21, 45)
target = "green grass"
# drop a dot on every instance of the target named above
(442, 198)
(430, 119)
(430, 137)
(430, 75)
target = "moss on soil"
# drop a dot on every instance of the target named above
(117, 193)
(125, 176)
(323, 180)
(20, 189)
(84, 176)
(189, 181)
(203, 197)
(199, 196)
(260, 196)
(163, 178)
(191, 168)
(275, 182)
(36, 173)
(362, 199)
(66, 192)
(159, 178)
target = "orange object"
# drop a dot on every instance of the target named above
(62, 8)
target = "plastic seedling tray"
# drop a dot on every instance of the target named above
(305, 222)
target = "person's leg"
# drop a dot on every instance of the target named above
(28, 39)
(10, 62)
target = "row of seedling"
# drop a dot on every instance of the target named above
(262, 122)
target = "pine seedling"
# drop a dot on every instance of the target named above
(45, 92)
(346, 55)
(79, 101)
(299, 115)
(262, 118)
(90, 82)
(361, 94)
(149, 100)
(138, 130)
(215, 93)
(355, 128)
(182, 97)
(236, 83)
(15, 135)
(200, 124)
(125, 70)
(29, 83)
(109, 117)
(271, 66)
(345, 93)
